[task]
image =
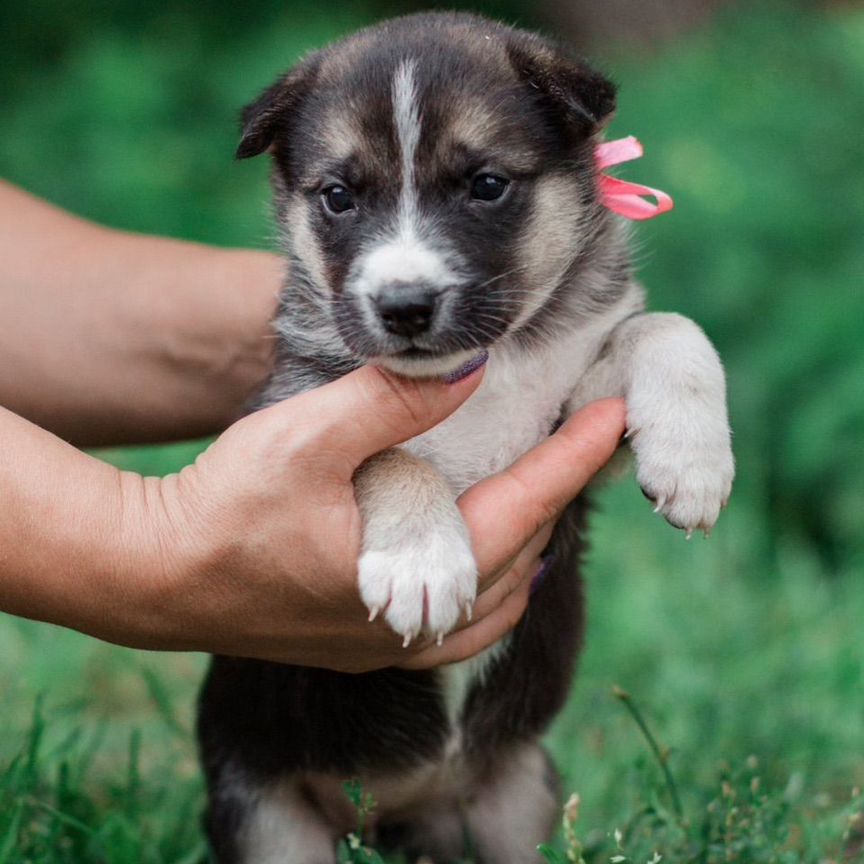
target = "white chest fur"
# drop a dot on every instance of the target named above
(516, 405)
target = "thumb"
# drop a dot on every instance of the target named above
(372, 409)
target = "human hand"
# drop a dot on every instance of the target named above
(259, 539)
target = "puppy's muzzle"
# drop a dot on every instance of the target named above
(406, 310)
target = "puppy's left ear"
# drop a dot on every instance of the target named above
(270, 113)
(585, 97)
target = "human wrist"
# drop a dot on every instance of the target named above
(113, 583)
(67, 554)
(111, 565)
(232, 343)
(161, 560)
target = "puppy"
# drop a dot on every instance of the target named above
(437, 194)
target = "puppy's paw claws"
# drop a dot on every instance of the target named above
(688, 483)
(420, 585)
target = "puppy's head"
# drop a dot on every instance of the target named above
(435, 182)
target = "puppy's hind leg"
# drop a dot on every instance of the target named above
(515, 809)
(273, 824)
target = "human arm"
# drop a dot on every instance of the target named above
(252, 551)
(108, 337)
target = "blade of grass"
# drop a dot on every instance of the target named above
(158, 692)
(10, 841)
(661, 754)
(64, 818)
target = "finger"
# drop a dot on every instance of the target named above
(492, 586)
(504, 510)
(480, 635)
(371, 409)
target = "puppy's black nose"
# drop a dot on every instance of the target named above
(406, 310)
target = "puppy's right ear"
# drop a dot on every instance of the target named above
(270, 112)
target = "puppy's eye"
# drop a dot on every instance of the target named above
(338, 199)
(488, 187)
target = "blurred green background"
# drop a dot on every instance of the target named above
(753, 118)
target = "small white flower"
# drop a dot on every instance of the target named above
(618, 837)
(571, 808)
(617, 859)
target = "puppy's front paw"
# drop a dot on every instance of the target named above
(685, 468)
(421, 582)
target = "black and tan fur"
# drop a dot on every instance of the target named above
(407, 121)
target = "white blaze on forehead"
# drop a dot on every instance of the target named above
(402, 254)
(406, 116)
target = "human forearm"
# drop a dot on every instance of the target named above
(75, 546)
(108, 337)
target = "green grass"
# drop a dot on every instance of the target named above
(743, 652)
(725, 665)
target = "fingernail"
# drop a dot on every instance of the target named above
(546, 563)
(466, 368)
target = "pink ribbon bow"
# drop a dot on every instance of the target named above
(620, 196)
